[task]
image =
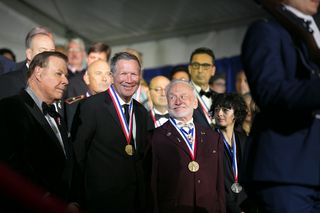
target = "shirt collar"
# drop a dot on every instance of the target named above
(34, 97)
(198, 88)
(181, 124)
(159, 113)
(120, 99)
(298, 13)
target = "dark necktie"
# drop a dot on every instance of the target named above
(51, 110)
(158, 116)
(207, 94)
(126, 112)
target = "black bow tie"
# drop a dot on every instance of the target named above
(207, 94)
(49, 109)
(158, 116)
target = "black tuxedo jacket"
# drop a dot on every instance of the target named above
(199, 114)
(30, 147)
(112, 180)
(13, 82)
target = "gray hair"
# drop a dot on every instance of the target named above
(174, 82)
(78, 41)
(122, 56)
(36, 31)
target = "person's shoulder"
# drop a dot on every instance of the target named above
(74, 100)
(139, 106)
(203, 130)
(266, 24)
(11, 102)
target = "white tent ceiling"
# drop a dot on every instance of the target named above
(119, 22)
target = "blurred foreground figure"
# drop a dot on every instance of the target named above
(284, 81)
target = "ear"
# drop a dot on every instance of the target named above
(86, 78)
(29, 55)
(189, 68)
(195, 103)
(37, 73)
(213, 70)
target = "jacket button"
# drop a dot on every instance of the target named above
(198, 181)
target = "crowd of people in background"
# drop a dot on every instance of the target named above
(83, 130)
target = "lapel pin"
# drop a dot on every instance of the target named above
(168, 134)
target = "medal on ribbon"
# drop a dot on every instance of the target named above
(235, 187)
(190, 140)
(125, 125)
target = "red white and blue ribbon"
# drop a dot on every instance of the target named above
(126, 125)
(191, 146)
(233, 154)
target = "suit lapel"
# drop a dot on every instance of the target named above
(200, 138)
(173, 135)
(112, 110)
(38, 115)
(137, 114)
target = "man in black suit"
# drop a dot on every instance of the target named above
(109, 134)
(39, 39)
(34, 142)
(201, 68)
(98, 78)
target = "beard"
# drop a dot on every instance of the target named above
(182, 114)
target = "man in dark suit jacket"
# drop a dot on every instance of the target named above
(201, 68)
(34, 142)
(109, 132)
(97, 78)
(284, 81)
(39, 39)
(187, 165)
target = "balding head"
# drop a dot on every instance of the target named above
(157, 91)
(39, 43)
(98, 77)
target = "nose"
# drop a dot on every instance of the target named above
(218, 112)
(65, 80)
(177, 101)
(128, 78)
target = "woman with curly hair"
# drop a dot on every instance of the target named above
(229, 111)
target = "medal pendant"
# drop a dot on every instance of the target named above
(236, 188)
(129, 149)
(193, 166)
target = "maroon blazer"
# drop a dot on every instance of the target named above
(174, 187)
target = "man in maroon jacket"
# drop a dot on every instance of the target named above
(187, 170)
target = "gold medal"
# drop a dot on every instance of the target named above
(193, 166)
(129, 149)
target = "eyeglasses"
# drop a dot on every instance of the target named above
(158, 89)
(196, 66)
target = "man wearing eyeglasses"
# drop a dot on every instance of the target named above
(201, 68)
(159, 111)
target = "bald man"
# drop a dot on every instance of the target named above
(98, 78)
(159, 111)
